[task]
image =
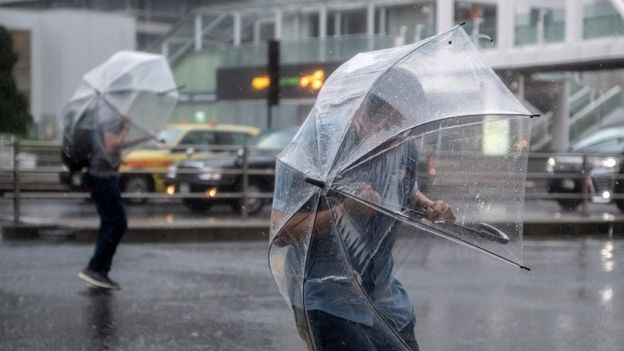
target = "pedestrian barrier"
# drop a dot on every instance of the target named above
(32, 170)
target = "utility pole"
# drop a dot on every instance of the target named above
(273, 68)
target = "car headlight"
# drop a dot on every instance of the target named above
(609, 163)
(550, 164)
(210, 174)
(171, 171)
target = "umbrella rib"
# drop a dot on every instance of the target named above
(110, 104)
(359, 283)
(433, 230)
(431, 39)
(361, 160)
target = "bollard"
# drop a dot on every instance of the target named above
(16, 183)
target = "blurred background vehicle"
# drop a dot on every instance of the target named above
(213, 176)
(603, 164)
(143, 169)
(223, 174)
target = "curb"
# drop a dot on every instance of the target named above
(259, 231)
(250, 232)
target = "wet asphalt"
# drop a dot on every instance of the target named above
(220, 296)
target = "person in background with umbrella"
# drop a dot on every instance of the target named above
(119, 104)
(102, 182)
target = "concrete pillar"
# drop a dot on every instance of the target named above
(383, 15)
(445, 15)
(370, 24)
(323, 22)
(540, 26)
(521, 85)
(561, 119)
(323, 33)
(505, 25)
(198, 32)
(573, 21)
(237, 28)
(278, 24)
(337, 24)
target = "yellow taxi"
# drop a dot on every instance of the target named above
(143, 170)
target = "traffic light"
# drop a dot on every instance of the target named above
(273, 69)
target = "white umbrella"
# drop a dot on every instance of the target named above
(135, 86)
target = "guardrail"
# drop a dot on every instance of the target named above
(35, 171)
(35, 168)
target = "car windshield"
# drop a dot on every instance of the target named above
(275, 140)
(169, 136)
(608, 140)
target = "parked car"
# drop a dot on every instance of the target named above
(604, 163)
(209, 177)
(143, 170)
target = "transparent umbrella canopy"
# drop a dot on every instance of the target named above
(356, 167)
(136, 86)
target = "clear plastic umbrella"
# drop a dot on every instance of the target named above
(135, 86)
(354, 171)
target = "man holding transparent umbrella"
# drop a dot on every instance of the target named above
(128, 97)
(102, 182)
(333, 318)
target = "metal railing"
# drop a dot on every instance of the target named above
(40, 179)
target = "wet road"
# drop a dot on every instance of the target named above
(220, 296)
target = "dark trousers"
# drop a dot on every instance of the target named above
(331, 333)
(106, 194)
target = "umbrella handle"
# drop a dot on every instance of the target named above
(485, 230)
(490, 232)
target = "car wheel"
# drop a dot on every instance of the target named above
(569, 204)
(137, 185)
(197, 206)
(567, 186)
(252, 205)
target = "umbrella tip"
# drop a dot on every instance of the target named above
(531, 116)
(525, 268)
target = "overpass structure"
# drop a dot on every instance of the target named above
(539, 47)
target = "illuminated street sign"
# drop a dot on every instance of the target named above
(250, 83)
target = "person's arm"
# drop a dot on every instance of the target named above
(299, 221)
(436, 211)
(117, 141)
(137, 141)
(113, 141)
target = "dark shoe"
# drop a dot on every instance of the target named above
(115, 285)
(98, 280)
